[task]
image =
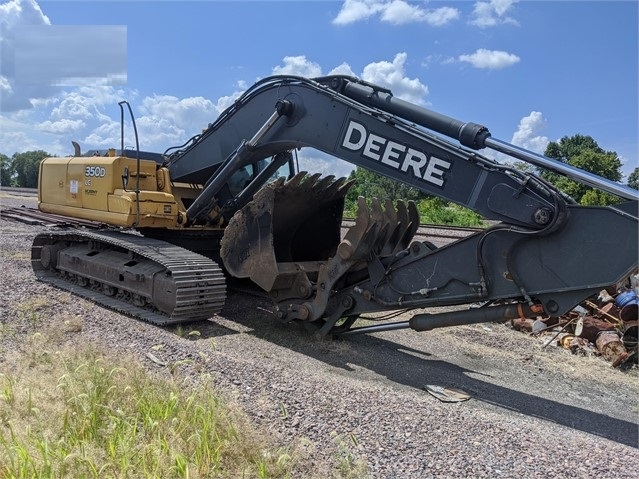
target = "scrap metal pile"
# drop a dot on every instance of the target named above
(605, 325)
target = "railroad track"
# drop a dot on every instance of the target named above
(438, 235)
(19, 191)
(33, 216)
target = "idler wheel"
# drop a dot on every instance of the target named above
(49, 256)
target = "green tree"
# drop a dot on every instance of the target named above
(27, 167)
(431, 209)
(583, 152)
(570, 146)
(633, 179)
(370, 184)
(5, 170)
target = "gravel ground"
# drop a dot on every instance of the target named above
(533, 413)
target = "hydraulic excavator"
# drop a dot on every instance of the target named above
(230, 203)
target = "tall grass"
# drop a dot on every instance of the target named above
(84, 413)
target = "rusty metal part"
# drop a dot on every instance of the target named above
(611, 347)
(142, 277)
(591, 327)
(523, 324)
(605, 311)
(564, 327)
(566, 341)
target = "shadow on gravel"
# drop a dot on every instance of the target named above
(415, 368)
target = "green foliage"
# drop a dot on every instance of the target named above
(633, 179)
(583, 152)
(432, 210)
(436, 211)
(27, 167)
(371, 185)
(570, 146)
(5, 170)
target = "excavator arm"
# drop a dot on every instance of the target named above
(544, 255)
(288, 113)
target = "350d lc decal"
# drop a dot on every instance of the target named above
(395, 155)
(95, 171)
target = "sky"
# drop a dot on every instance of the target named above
(530, 71)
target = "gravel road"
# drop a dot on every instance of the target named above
(533, 412)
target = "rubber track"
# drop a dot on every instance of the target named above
(191, 272)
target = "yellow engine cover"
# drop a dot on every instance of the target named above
(92, 188)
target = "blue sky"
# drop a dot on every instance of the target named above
(530, 71)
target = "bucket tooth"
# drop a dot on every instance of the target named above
(295, 181)
(323, 183)
(413, 216)
(339, 187)
(395, 229)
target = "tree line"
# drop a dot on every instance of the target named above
(22, 170)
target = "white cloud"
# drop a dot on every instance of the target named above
(342, 69)
(490, 59)
(5, 86)
(527, 134)
(14, 139)
(197, 109)
(106, 134)
(356, 10)
(393, 76)
(493, 13)
(314, 161)
(399, 12)
(226, 101)
(395, 12)
(85, 102)
(161, 121)
(298, 65)
(441, 16)
(61, 127)
(22, 11)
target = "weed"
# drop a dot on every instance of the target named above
(186, 332)
(84, 413)
(348, 464)
(283, 410)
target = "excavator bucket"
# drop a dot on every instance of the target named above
(287, 230)
(288, 241)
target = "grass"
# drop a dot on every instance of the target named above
(79, 412)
